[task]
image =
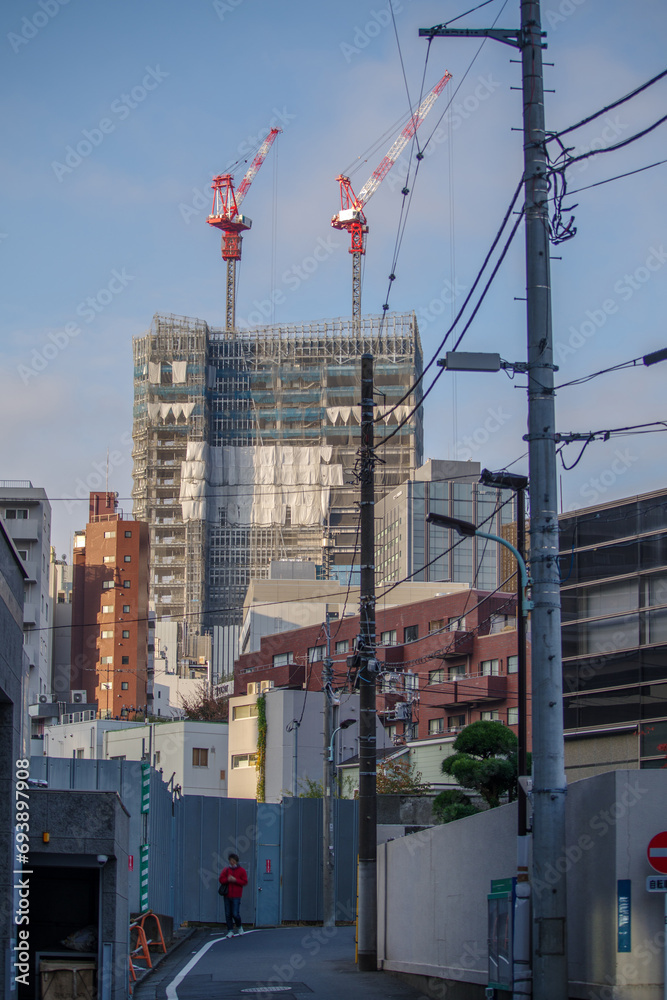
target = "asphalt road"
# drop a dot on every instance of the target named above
(290, 963)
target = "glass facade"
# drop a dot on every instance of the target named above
(613, 563)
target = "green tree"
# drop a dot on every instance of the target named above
(485, 759)
(452, 804)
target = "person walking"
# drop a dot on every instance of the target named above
(234, 877)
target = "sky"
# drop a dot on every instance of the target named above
(116, 116)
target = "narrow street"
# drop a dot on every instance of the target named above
(294, 962)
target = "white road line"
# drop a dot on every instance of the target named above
(171, 988)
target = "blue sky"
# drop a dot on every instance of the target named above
(165, 95)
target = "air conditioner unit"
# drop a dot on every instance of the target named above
(253, 687)
(265, 685)
(47, 699)
(78, 697)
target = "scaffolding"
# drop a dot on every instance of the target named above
(245, 448)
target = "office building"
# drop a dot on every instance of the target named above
(613, 564)
(110, 611)
(245, 449)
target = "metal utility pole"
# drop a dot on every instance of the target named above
(550, 976)
(328, 892)
(367, 933)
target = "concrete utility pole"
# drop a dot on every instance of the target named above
(550, 978)
(367, 936)
(328, 892)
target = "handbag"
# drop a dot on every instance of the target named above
(223, 889)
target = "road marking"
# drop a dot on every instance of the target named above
(171, 993)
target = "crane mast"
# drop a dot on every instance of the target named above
(225, 216)
(351, 216)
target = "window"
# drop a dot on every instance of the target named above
(23, 553)
(244, 712)
(436, 726)
(107, 585)
(199, 757)
(316, 653)
(107, 633)
(107, 609)
(436, 676)
(456, 721)
(456, 670)
(223, 775)
(127, 558)
(512, 664)
(436, 625)
(490, 668)
(493, 716)
(410, 633)
(109, 534)
(244, 759)
(411, 681)
(126, 609)
(124, 685)
(343, 646)
(80, 753)
(282, 659)
(126, 633)
(513, 716)
(108, 559)
(128, 534)
(14, 514)
(388, 638)
(456, 624)
(107, 659)
(125, 659)
(127, 584)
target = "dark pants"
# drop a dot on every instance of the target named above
(232, 912)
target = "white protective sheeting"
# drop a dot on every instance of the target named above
(154, 372)
(179, 372)
(340, 415)
(255, 485)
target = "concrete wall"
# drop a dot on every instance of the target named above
(84, 828)
(432, 888)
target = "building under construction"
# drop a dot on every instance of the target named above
(246, 445)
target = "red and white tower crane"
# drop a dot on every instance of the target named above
(351, 216)
(225, 215)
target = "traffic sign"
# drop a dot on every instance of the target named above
(657, 852)
(654, 884)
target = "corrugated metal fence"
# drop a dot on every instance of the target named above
(191, 837)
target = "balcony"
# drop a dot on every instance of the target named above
(457, 643)
(473, 688)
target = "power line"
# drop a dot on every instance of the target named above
(608, 107)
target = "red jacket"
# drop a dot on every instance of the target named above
(235, 888)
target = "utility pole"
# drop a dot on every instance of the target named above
(550, 978)
(328, 891)
(367, 935)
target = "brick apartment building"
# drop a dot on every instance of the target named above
(452, 658)
(110, 610)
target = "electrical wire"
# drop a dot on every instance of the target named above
(609, 107)
(618, 177)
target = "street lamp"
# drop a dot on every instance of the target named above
(521, 948)
(345, 724)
